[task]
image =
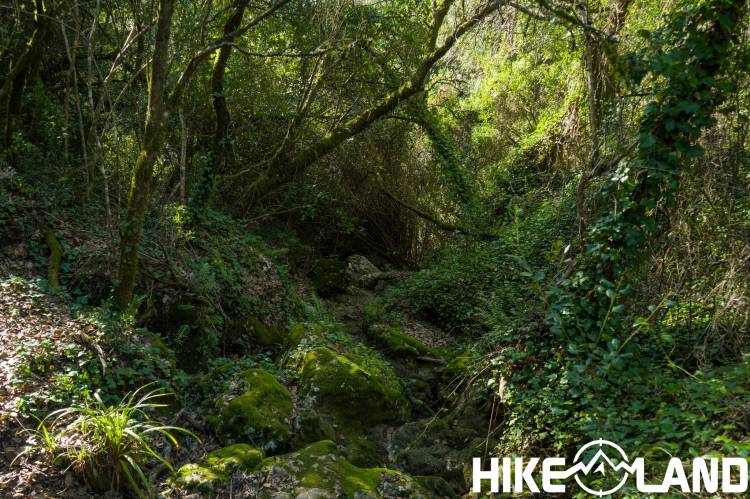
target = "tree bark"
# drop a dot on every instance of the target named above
(11, 95)
(159, 105)
(220, 148)
(140, 189)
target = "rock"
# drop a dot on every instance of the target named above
(321, 471)
(214, 471)
(277, 338)
(379, 280)
(398, 343)
(261, 415)
(310, 427)
(351, 394)
(439, 447)
(329, 277)
(358, 266)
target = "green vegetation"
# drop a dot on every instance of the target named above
(109, 445)
(361, 243)
(216, 469)
(353, 394)
(261, 414)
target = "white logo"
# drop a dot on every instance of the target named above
(602, 468)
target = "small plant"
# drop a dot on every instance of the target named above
(104, 443)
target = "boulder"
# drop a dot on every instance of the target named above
(397, 343)
(329, 277)
(320, 470)
(261, 415)
(358, 266)
(354, 396)
(216, 469)
(273, 337)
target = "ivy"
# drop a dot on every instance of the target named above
(595, 374)
(686, 60)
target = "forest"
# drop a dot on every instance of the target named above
(373, 248)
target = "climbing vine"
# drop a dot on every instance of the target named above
(589, 375)
(685, 59)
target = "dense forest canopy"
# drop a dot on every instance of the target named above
(241, 239)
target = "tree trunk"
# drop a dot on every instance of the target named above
(223, 120)
(283, 170)
(142, 180)
(11, 95)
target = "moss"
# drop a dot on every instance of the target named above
(353, 395)
(237, 456)
(399, 343)
(456, 367)
(439, 447)
(321, 467)
(359, 450)
(56, 253)
(436, 486)
(262, 414)
(155, 341)
(218, 467)
(274, 337)
(195, 476)
(329, 276)
(310, 427)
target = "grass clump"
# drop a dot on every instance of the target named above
(109, 446)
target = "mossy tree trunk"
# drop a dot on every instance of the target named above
(283, 169)
(160, 103)
(22, 70)
(221, 133)
(142, 180)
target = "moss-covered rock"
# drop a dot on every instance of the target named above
(237, 456)
(310, 427)
(214, 471)
(261, 415)
(320, 470)
(439, 447)
(278, 338)
(329, 276)
(398, 343)
(358, 266)
(353, 395)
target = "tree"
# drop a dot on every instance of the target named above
(143, 172)
(22, 69)
(159, 106)
(220, 146)
(283, 169)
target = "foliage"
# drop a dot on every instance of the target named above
(100, 352)
(602, 369)
(561, 189)
(476, 285)
(109, 445)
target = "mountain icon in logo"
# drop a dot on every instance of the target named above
(602, 463)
